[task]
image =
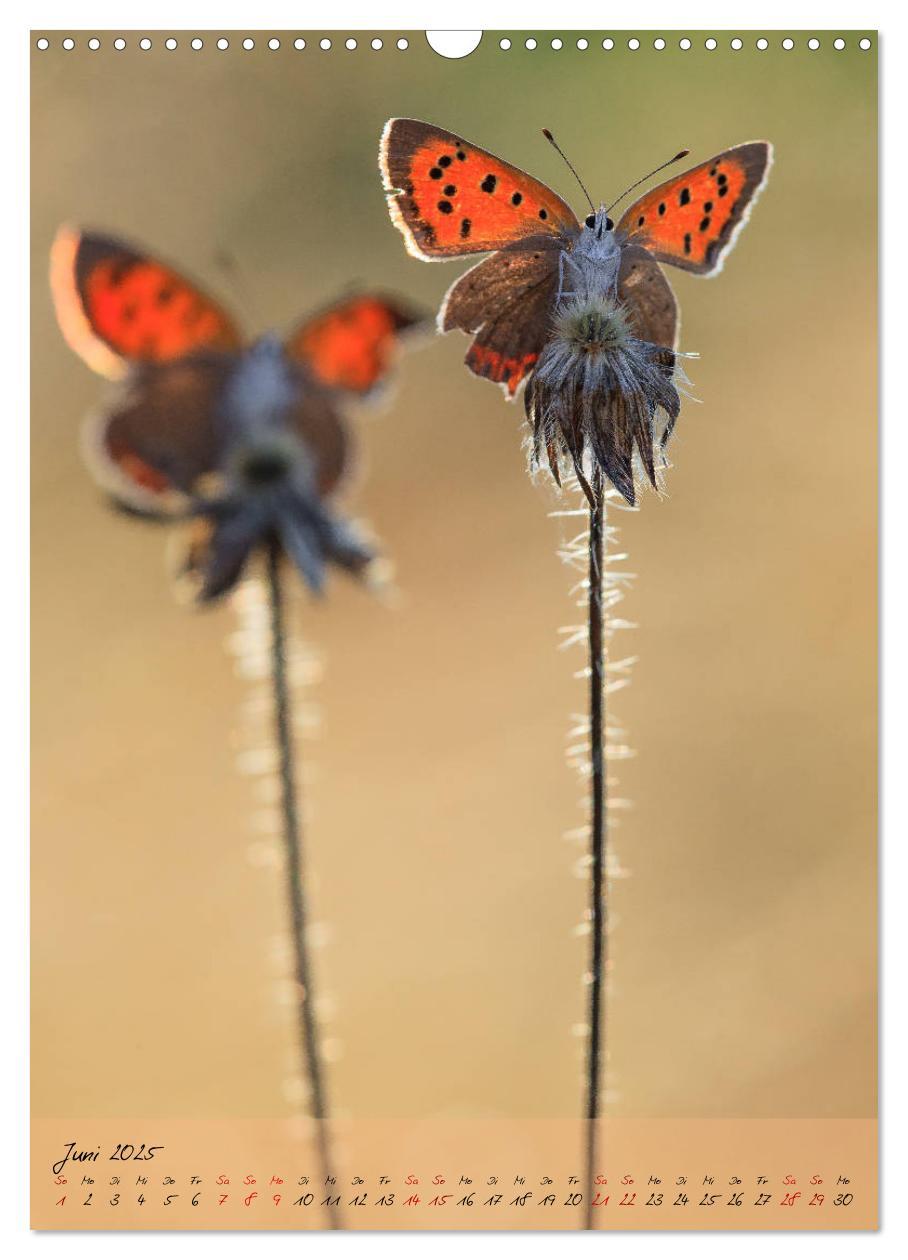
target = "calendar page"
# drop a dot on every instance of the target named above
(454, 686)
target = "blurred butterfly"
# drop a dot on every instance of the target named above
(451, 199)
(247, 437)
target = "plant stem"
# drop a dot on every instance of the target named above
(308, 1026)
(598, 837)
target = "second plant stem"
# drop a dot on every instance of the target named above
(296, 890)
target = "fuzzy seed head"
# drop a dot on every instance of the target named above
(270, 459)
(600, 399)
(592, 326)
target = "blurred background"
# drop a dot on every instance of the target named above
(437, 791)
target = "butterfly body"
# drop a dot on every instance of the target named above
(261, 391)
(591, 262)
(548, 277)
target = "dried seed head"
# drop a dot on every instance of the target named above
(592, 327)
(262, 464)
(600, 398)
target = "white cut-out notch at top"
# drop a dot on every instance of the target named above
(453, 44)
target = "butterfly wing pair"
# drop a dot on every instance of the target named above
(130, 316)
(451, 199)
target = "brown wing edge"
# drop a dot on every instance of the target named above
(752, 190)
(393, 180)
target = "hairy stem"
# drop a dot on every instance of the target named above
(308, 1027)
(598, 839)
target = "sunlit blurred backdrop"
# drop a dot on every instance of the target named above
(437, 791)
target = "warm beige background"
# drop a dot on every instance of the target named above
(744, 951)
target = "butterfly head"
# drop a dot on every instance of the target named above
(597, 238)
(599, 223)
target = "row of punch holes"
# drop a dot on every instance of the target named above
(530, 43)
(223, 43)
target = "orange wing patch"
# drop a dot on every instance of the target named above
(351, 345)
(692, 220)
(115, 305)
(507, 371)
(449, 197)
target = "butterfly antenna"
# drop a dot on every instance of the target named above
(555, 145)
(228, 266)
(670, 162)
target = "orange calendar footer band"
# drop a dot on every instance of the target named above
(451, 1174)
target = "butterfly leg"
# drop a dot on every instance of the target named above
(565, 265)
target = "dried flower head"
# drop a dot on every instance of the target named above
(266, 486)
(600, 397)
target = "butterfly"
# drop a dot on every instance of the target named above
(451, 199)
(198, 406)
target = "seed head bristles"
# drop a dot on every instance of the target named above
(573, 636)
(614, 870)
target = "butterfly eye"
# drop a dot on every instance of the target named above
(609, 225)
(590, 220)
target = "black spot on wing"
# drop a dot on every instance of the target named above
(120, 269)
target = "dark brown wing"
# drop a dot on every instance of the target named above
(648, 297)
(320, 426)
(507, 301)
(159, 436)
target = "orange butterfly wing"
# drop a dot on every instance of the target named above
(449, 197)
(351, 345)
(692, 220)
(116, 306)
